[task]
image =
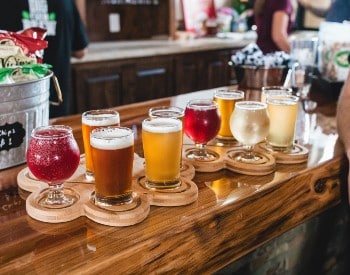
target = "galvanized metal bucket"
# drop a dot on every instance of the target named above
(23, 106)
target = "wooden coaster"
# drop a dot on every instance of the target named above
(226, 159)
(299, 154)
(183, 195)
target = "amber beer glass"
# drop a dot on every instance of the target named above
(112, 151)
(91, 120)
(162, 146)
(226, 100)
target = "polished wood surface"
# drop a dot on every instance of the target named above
(234, 213)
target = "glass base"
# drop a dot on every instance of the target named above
(49, 198)
(165, 185)
(199, 155)
(122, 203)
(283, 149)
(248, 158)
(225, 141)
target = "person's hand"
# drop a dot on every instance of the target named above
(304, 3)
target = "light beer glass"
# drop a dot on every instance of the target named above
(91, 120)
(249, 125)
(162, 146)
(112, 151)
(274, 90)
(283, 111)
(226, 100)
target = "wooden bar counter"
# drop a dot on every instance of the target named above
(234, 213)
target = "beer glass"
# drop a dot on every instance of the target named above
(91, 120)
(112, 151)
(162, 147)
(249, 125)
(53, 156)
(274, 90)
(226, 100)
(202, 123)
(166, 111)
(283, 111)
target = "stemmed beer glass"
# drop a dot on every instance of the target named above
(52, 157)
(249, 124)
(202, 123)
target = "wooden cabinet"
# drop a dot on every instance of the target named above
(105, 84)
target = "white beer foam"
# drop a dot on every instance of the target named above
(162, 125)
(101, 119)
(111, 138)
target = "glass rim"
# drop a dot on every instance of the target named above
(229, 93)
(277, 99)
(96, 112)
(64, 131)
(259, 104)
(94, 132)
(158, 108)
(198, 103)
(276, 88)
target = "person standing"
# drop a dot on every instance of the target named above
(273, 19)
(66, 36)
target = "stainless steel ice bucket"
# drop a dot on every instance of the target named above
(23, 106)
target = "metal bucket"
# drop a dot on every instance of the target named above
(23, 106)
(252, 77)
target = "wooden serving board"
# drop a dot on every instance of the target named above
(128, 215)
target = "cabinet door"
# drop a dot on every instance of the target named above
(187, 73)
(148, 79)
(97, 87)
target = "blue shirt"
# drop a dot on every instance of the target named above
(339, 11)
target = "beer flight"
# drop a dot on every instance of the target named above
(53, 154)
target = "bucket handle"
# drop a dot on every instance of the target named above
(58, 91)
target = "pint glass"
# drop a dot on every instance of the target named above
(226, 100)
(91, 120)
(112, 151)
(283, 112)
(162, 146)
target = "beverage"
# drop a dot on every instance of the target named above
(112, 151)
(91, 120)
(53, 154)
(249, 122)
(274, 90)
(202, 120)
(283, 111)
(162, 146)
(226, 100)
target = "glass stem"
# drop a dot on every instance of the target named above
(249, 152)
(55, 194)
(201, 150)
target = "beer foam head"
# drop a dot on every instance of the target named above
(162, 125)
(100, 118)
(111, 138)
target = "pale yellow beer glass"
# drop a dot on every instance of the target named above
(283, 112)
(112, 151)
(226, 100)
(89, 121)
(162, 147)
(274, 90)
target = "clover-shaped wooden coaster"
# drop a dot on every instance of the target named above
(226, 159)
(129, 214)
(298, 154)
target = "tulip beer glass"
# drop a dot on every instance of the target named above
(202, 124)
(91, 120)
(53, 156)
(112, 151)
(162, 146)
(226, 100)
(283, 111)
(249, 125)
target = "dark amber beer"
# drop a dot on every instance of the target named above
(112, 150)
(92, 120)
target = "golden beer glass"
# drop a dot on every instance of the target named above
(112, 151)
(274, 90)
(162, 147)
(91, 120)
(283, 112)
(226, 100)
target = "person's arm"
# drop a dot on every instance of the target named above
(279, 31)
(343, 119)
(320, 12)
(80, 53)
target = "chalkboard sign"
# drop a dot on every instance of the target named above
(11, 135)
